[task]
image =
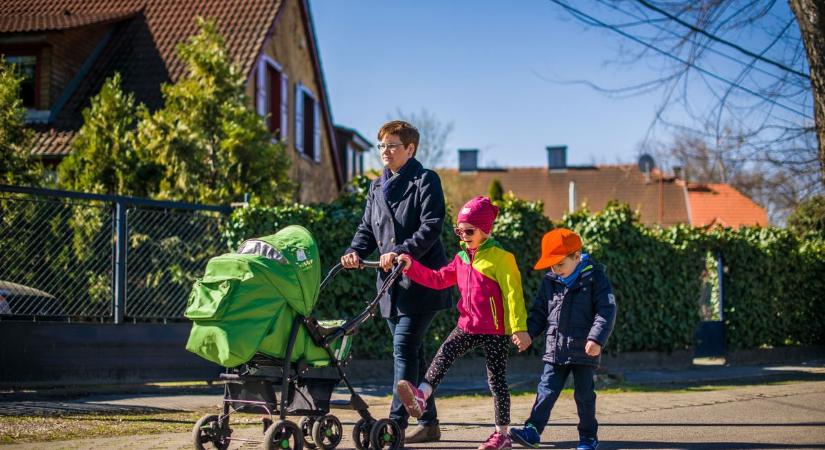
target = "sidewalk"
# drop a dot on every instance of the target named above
(774, 416)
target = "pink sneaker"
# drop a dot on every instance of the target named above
(497, 441)
(412, 398)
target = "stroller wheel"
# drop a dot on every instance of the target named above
(283, 435)
(327, 432)
(361, 434)
(208, 430)
(386, 434)
(306, 430)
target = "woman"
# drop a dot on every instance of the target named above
(404, 214)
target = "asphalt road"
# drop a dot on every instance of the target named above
(777, 416)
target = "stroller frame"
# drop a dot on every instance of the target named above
(324, 429)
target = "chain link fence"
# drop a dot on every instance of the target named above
(85, 257)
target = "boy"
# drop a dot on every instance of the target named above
(576, 307)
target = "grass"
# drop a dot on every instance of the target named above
(20, 429)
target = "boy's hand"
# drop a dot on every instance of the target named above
(522, 340)
(592, 348)
(406, 260)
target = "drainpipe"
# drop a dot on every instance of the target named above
(571, 197)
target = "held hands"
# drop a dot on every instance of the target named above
(351, 261)
(522, 340)
(387, 260)
(592, 348)
(406, 260)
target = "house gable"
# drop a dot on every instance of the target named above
(139, 38)
(290, 50)
(659, 200)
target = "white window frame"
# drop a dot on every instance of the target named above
(300, 91)
(262, 93)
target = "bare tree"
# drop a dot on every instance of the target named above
(432, 147)
(700, 161)
(772, 96)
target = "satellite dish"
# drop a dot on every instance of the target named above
(646, 163)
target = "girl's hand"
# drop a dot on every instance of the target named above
(592, 348)
(522, 340)
(406, 260)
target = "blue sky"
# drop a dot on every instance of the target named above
(484, 65)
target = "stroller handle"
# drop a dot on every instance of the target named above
(371, 264)
(369, 311)
(339, 267)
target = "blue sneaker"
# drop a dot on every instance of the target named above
(587, 444)
(527, 436)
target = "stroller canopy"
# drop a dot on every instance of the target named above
(297, 274)
(246, 301)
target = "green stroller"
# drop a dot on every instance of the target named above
(252, 313)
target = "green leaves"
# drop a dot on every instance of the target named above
(105, 159)
(773, 282)
(16, 164)
(206, 145)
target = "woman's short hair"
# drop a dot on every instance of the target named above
(405, 131)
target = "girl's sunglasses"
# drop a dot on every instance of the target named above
(464, 231)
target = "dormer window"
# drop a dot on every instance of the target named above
(26, 67)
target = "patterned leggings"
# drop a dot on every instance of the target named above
(495, 351)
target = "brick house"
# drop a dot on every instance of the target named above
(660, 199)
(67, 48)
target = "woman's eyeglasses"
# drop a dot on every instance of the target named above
(391, 147)
(464, 231)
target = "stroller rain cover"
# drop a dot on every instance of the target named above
(246, 301)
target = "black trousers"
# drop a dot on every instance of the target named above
(495, 352)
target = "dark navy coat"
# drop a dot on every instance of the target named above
(409, 221)
(571, 317)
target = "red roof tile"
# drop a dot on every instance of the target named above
(143, 48)
(61, 21)
(718, 203)
(53, 142)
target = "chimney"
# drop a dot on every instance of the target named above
(557, 157)
(467, 159)
(677, 171)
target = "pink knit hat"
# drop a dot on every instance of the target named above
(480, 212)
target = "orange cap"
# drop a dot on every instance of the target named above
(556, 245)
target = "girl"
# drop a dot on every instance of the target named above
(491, 312)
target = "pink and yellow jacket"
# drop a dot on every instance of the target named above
(491, 301)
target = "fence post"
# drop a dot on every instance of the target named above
(120, 262)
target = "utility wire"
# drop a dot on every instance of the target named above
(652, 23)
(720, 40)
(598, 22)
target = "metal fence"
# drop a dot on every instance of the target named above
(75, 256)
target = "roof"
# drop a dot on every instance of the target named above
(60, 21)
(143, 42)
(722, 204)
(659, 199)
(49, 142)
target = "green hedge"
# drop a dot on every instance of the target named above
(773, 282)
(774, 287)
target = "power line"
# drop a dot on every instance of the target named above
(598, 22)
(652, 23)
(722, 41)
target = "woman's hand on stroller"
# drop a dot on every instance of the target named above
(387, 260)
(404, 259)
(351, 261)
